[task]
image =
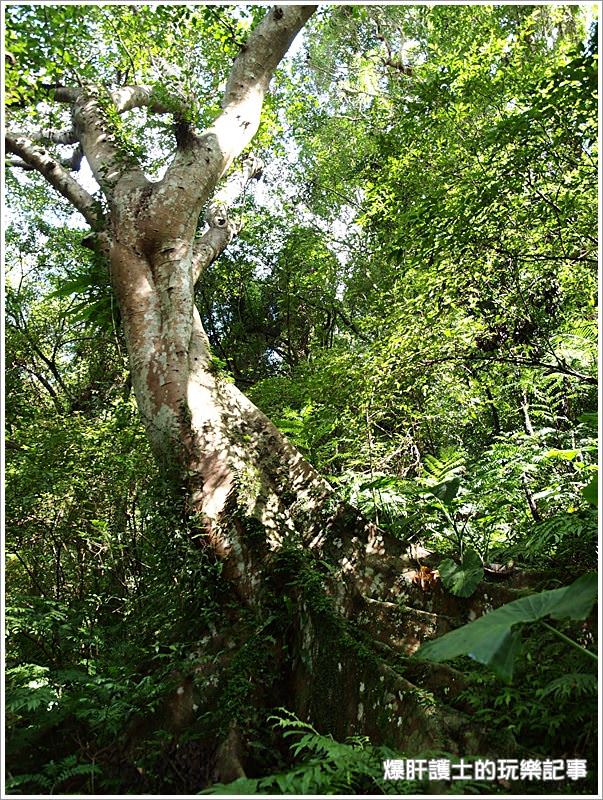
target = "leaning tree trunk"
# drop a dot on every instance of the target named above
(207, 436)
(234, 464)
(249, 495)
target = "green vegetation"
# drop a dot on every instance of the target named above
(412, 300)
(491, 639)
(328, 767)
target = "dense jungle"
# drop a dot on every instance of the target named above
(300, 327)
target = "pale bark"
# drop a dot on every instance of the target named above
(115, 172)
(235, 466)
(58, 177)
(124, 98)
(202, 429)
(204, 158)
(206, 434)
(67, 136)
(221, 227)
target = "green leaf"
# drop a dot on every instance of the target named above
(244, 786)
(565, 455)
(577, 600)
(590, 418)
(447, 491)
(462, 580)
(590, 492)
(502, 658)
(490, 639)
(78, 285)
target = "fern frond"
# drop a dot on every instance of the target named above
(443, 470)
(330, 767)
(551, 532)
(572, 684)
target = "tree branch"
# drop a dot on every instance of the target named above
(67, 136)
(46, 384)
(40, 160)
(71, 164)
(200, 163)
(222, 229)
(18, 162)
(250, 77)
(109, 163)
(200, 160)
(208, 247)
(125, 98)
(561, 367)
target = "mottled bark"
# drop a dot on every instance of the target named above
(246, 490)
(209, 438)
(36, 157)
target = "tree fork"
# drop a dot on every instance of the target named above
(252, 496)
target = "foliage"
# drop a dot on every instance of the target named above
(327, 766)
(462, 580)
(493, 639)
(54, 775)
(412, 300)
(548, 706)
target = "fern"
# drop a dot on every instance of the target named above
(389, 500)
(548, 535)
(445, 469)
(329, 767)
(584, 329)
(542, 412)
(53, 775)
(574, 684)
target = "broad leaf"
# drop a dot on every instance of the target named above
(447, 490)
(490, 639)
(564, 455)
(591, 491)
(462, 580)
(577, 600)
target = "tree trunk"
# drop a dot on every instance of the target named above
(289, 548)
(212, 442)
(268, 515)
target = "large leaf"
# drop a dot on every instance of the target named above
(447, 490)
(577, 600)
(490, 639)
(590, 491)
(462, 580)
(564, 455)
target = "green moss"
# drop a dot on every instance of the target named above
(249, 485)
(245, 680)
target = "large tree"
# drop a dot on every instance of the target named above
(244, 489)
(161, 217)
(203, 431)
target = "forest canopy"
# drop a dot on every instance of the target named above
(300, 314)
